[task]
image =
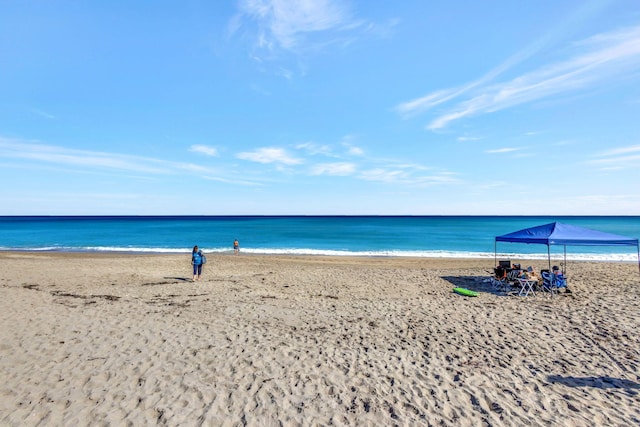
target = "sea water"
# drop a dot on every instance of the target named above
(415, 236)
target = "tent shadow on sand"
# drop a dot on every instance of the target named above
(596, 382)
(473, 283)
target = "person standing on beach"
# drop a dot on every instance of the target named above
(236, 247)
(197, 260)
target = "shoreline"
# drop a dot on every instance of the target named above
(229, 252)
(300, 340)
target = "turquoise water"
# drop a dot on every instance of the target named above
(419, 236)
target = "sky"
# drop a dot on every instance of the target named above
(320, 107)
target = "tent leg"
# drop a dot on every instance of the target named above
(549, 257)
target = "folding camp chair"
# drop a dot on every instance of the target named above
(506, 264)
(513, 275)
(552, 282)
(548, 284)
(499, 279)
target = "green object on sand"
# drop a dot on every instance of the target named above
(465, 292)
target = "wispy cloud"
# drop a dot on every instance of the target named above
(586, 11)
(204, 149)
(618, 158)
(354, 151)
(334, 169)
(270, 155)
(405, 176)
(348, 141)
(234, 181)
(384, 175)
(533, 133)
(352, 164)
(42, 113)
(287, 25)
(603, 57)
(622, 150)
(413, 107)
(467, 138)
(314, 149)
(502, 150)
(84, 159)
(326, 150)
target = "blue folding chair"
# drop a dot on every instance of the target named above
(551, 282)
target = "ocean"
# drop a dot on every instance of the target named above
(376, 236)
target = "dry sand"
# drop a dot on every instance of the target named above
(121, 339)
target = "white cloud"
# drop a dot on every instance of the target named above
(384, 175)
(411, 166)
(352, 150)
(407, 177)
(467, 138)
(233, 181)
(204, 149)
(619, 159)
(316, 149)
(410, 108)
(622, 150)
(334, 169)
(84, 159)
(502, 150)
(426, 102)
(284, 23)
(80, 158)
(355, 151)
(269, 155)
(42, 113)
(601, 58)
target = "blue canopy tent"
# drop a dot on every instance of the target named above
(557, 233)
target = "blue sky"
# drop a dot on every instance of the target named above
(320, 107)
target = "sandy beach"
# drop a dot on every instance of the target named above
(125, 339)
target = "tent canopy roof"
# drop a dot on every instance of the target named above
(557, 233)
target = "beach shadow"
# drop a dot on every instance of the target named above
(180, 279)
(168, 281)
(473, 283)
(596, 382)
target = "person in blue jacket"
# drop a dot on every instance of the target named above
(197, 260)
